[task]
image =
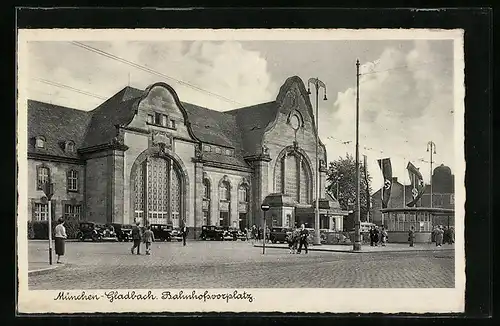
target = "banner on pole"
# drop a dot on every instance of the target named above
(417, 184)
(386, 167)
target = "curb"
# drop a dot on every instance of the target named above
(45, 270)
(359, 252)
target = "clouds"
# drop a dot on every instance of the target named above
(222, 68)
(406, 87)
(405, 101)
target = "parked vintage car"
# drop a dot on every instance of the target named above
(232, 233)
(123, 232)
(162, 232)
(279, 234)
(211, 232)
(96, 232)
(176, 234)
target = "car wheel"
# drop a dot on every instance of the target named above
(204, 238)
(273, 240)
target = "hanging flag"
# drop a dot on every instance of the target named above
(385, 166)
(417, 184)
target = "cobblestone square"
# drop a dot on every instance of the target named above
(238, 264)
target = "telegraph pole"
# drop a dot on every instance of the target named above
(357, 218)
(431, 148)
(317, 84)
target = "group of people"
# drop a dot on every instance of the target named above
(297, 240)
(440, 234)
(378, 235)
(148, 237)
(443, 234)
(257, 233)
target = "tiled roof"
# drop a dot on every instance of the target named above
(118, 110)
(241, 129)
(253, 121)
(57, 124)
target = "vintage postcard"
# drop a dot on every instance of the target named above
(253, 170)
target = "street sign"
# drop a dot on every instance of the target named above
(48, 189)
(264, 207)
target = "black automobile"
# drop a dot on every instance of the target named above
(233, 234)
(279, 234)
(123, 232)
(88, 230)
(96, 232)
(212, 232)
(162, 232)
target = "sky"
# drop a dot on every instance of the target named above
(406, 87)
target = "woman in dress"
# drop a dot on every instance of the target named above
(60, 237)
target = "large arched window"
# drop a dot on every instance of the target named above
(224, 201)
(158, 191)
(224, 191)
(243, 194)
(293, 176)
(206, 202)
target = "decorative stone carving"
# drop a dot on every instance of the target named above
(265, 150)
(159, 138)
(198, 152)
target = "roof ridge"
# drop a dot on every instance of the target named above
(58, 106)
(231, 112)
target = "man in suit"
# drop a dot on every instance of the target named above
(136, 237)
(303, 238)
(184, 234)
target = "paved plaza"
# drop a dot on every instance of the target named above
(237, 264)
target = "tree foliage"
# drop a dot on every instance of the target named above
(342, 172)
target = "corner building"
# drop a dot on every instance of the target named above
(146, 156)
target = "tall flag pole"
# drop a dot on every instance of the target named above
(357, 221)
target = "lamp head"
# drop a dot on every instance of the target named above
(308, 90)
(324, 98)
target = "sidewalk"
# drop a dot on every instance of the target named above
(39, 267)
(391, 247)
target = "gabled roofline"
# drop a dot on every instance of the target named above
(177, 102)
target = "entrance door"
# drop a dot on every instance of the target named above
(243, 221)
(224, 218)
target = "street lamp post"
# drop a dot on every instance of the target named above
(431, 148)
(264, 208)
(357, 219)
(317, 84)
(48, 189)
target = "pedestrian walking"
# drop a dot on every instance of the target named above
(375, 236)
(60, 239)
(372, 235)
(439, 236)
(383, 236)
(184, 235)
(136, 237)
(411, 236)
(303, 239)
(149, 238)
(452, 235)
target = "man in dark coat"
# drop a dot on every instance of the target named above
(411, 236)
(184, 234)
(136, 237)
(372, 235)
(303, 238)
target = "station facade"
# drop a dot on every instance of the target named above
(147, 156)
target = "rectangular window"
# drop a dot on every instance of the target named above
(157, 118)
(172, 124)
(207, 148)
(150, 119)
(164, 120)
(42, 177)
(228, 152)
(72, 211)
(73, 180)
(41, 212)
(217, 150)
